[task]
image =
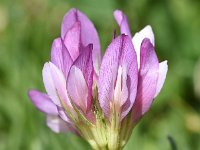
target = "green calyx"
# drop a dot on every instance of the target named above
(102, 134)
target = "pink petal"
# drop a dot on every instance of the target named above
(122, 22)
(77, 88)
(43, 102)
(81, 79)
(63, 115)
(146, 32)
(107, 75)
(49, 84)
(163, 67)
(60, 56)
(148, 76)
(72, 40)
(120, 53)
(56, 53)
(68, 21)
(88, 33)
(57, 125)
(55, 84)
(130, 81)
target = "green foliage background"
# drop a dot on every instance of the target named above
(27, 29)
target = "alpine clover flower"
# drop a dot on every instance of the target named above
(101, 101)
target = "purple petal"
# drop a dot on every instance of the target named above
(107, 75)
(88, 33)
(60, 56)
(42, 102)
(122, 22)
(77, 88)
(56, 53)
(63, 115)
(146, 32)
(163, 67)
(68, 21)
(119, 60)
(148, 76)
(55, 84)
(129, 60)
(72, 40)
(57, 125)
(80, 79)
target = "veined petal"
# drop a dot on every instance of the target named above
(146, 32)
(57, 125)
(88, 33)
(129, 88)
(67, 61)
(122, 22)
(56, 53)
(55, 84)
(114, 80)
(43, 102)
(68, 21)
(129, 64)
(73, 40)
(60, 56)
(107, 75)
(163, 67)
(77, 88)
(80, 78)
(148, 76)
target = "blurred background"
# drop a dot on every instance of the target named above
(27, 29)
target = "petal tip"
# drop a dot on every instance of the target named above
(31, 93)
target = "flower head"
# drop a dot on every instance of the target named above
(99, 100)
